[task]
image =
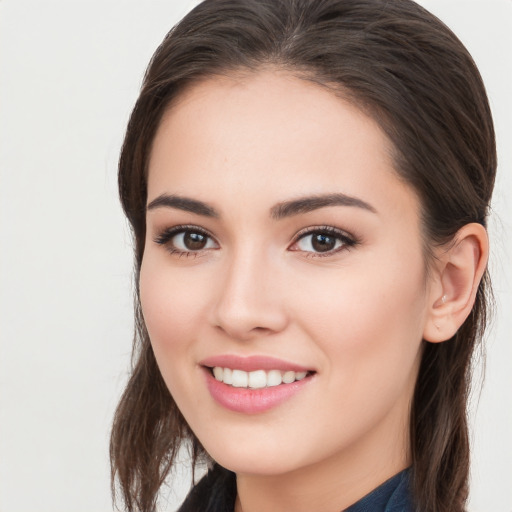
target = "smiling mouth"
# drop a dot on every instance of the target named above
(257, 379)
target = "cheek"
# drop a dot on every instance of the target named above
(370, 341)
(369, 320)
(171, 305)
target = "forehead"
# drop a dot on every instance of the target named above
(270, 134)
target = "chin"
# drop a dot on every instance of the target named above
(255, 465)
(267, 458)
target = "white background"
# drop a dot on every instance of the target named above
(69, 75)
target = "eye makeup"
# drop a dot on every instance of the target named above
(186, 240)
(322, 241)
(313, 241)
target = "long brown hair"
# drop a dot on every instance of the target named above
(406, 69)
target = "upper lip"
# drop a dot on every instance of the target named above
(252, 363)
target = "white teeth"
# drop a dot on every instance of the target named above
(218, 372)
(288, 377)
(274, 378)
(257, 379)
(227, 378)
(240, 379)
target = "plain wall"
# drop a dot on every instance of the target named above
(69, 75)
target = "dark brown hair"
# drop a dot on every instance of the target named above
(406, 69)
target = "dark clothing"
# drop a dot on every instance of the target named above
(393, 495)
(216, 492)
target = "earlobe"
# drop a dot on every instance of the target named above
(459, 272)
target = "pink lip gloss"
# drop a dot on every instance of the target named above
(248, 400)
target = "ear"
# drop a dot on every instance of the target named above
(458, 272)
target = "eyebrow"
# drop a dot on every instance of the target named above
(311, 203)
(277, 212)
(183, 203)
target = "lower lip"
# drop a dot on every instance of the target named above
(252, 401)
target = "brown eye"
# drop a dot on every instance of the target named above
(184, 240)
(318, 242)
(322, 242)
(194, 241)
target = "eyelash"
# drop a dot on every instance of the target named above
(347, 241)
(165, 237)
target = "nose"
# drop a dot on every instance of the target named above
(249, 299)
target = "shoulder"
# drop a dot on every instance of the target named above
(394, 495)
(401, 500)
(215, 492)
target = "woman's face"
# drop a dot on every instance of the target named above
(282, 246)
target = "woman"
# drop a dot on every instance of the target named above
(308, 183)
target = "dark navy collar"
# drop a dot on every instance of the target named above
(393, 495)
(216, 492)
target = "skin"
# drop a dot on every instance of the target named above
(356, 316)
